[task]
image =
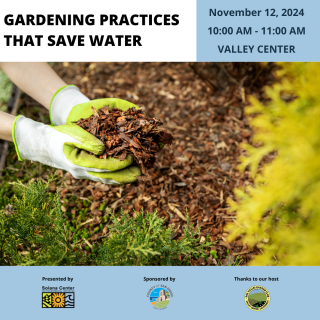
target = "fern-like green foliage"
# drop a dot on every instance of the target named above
(281, 212)
(34, 224)
(145, 240)
(32, 232)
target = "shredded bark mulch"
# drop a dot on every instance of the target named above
(128, 132)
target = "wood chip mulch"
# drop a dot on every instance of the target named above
(128, 132)
(202, 105)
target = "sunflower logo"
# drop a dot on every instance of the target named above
(58, 300)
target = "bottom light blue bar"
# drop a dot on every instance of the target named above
(122, 293)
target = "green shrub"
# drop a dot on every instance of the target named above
(32, 230)
(145, 240)
(281, 213)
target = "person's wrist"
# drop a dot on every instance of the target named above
(63, 101)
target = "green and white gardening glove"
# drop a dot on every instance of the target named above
(68, 105)
(62, 147)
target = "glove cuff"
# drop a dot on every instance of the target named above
(63, 101)
(14, 138)
(32, 140)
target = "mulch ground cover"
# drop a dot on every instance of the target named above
(202, 105)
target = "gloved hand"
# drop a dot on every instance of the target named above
(62, 147)
(68, 105)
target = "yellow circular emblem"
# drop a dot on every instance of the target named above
(257, 298)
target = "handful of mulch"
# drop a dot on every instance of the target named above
(127, 132)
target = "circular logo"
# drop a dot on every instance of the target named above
(257, 298)
(160, 298)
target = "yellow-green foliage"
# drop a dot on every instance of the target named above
(281, 213)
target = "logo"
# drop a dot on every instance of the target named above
(57, 299)
(257, 298)
(160, 296)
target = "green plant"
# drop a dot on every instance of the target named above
(281, 213)
(145, 240)
(32, 230)
(237, 262)
(214, 254)
(5, 193)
